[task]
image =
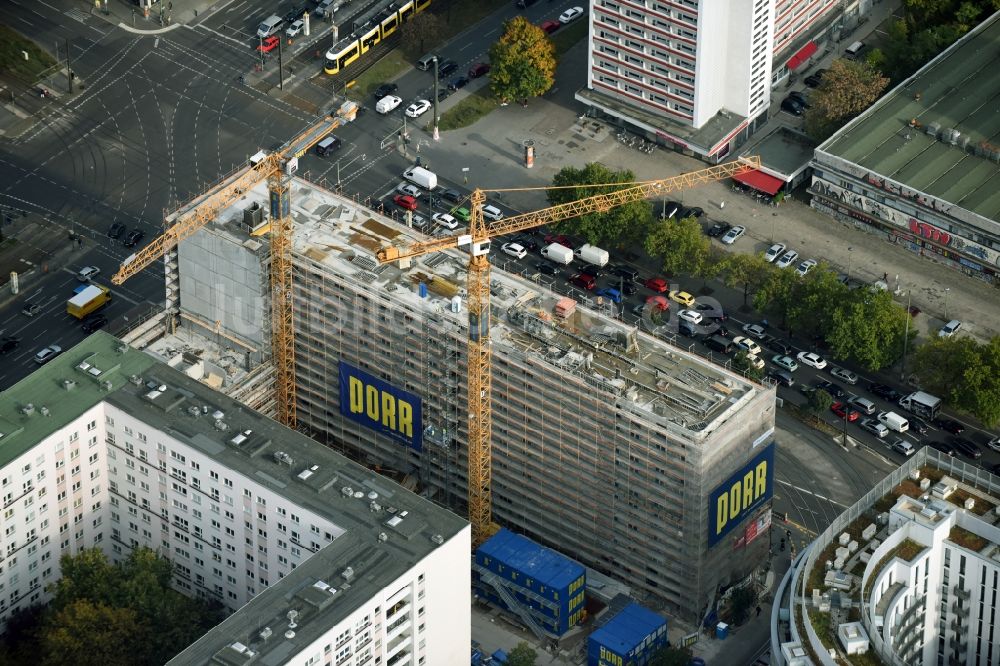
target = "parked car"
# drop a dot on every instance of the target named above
(418, 108)
(719, 229)
(570, 14)
(492, 213)
(814, 79)
(950, 425)
(458, 83)
(94, 322)
(844, 411)
(657, 284)
(295, 28)
(782, 377)
(584, 281)
(558, 238)
(116, 230)
(836, 391)
(885, 392)
(799, 97)
(863, 405)
(31, 309)
(405, 201)
(479, 69)
(691, 316)
(734, 234)
(461, 213)
(776, 345)
(792, 106)
(785, 362)
(268, 44)
(843, 375)
(385, 90)
(748, 345)
(526, 241)
(993, 444)
(904, 447)
(445, 220)
(515, 250)
(47, 354)
(625, 272)
(447, 67)
(967, 448)
(811, 358)
(754, 330)
(659, 303)
(787, 259)
(774, 252)
(682, 297)
(805, 267)
(9, 344)
(450, 195)
(711, 311)
(547, 268)
(550, 26)
(409, 189)
(874, 427)
(950, 329)
(134, 237)
(88, 273)
(918, 425)
(946, 449)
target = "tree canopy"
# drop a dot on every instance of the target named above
(671, 656)
(868, 327)
(522, 655)
(964, 372)
(613, 228)
(421, 33)
(107, 614)
(741, 364)
(680, 245)
(746, 270)
(523, 61)
(848, 88)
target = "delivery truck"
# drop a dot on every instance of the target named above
(893, 421)
(592, 254)
(921, 404)
(421, 177)
(558, 253)
(87, 300)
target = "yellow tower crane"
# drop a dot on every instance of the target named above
(277, 168)
(477, 242)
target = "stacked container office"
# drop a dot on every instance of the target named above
(630, 638)
(549, 587)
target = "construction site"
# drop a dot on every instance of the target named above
(606, 441)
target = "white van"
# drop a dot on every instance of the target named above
(426, 62)
(387, 104)
(270, 26)
(893, 421)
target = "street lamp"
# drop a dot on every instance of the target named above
(946, 291)
(906, 335)
(850, 260)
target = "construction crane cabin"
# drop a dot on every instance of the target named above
(477, 242)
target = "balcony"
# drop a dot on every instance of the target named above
(961, 611)
(396, 630)
(961, 593)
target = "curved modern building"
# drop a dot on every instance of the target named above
(909, 574)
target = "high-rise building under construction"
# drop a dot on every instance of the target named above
(638, 458)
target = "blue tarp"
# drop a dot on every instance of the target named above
(524, 555)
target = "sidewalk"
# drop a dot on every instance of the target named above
(32, 250)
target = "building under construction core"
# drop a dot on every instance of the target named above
(639, 459)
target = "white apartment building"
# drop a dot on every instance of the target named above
(696, 75)
(917, 558)
(319, 560)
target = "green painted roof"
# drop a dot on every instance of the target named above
(959, 90)
(62, 389)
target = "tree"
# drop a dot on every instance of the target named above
(777, 294)
(819, 401)
(819, 295)
(671, 656)
(523, 61)
(522, 655)
(868, 328)
(420, 34)
(615, 227)
(740, 603)
(741, 364)
(963, 372)
(680, 245)
(86, 634)
(847, 89)
(749, 270)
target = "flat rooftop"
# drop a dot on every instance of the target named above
(684, 390)
(953, 152)
(382, 529)
(782, 151)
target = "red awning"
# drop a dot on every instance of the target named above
(804, 54)
(760, 181)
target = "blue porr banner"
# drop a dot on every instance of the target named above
(741, 494)
(380, 406)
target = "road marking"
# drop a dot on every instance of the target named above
(809, 492)
(467, 46)
(26, 21)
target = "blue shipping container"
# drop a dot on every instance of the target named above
(630, 638)
(550, 584)
(477, 658)
(500, 657)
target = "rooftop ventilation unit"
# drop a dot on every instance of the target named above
(193, 410)
(122, 348)
(44, 411)
(218, 415)
(281, 457)
(221, 425)
(348, 573)
(28, 409)
(305, 474)
(241, 437)
(292, 615)
(265, 633)
(382, 536)
(135, 379)
(347, 491)
(68, 384)
(437, 538)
